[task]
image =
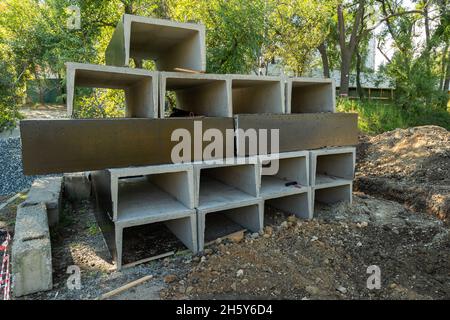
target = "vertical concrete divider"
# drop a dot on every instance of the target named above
(229, 188)
(198, 94)
(140, 86)
(142, 195)
(310, 95)
(331, 174)
(257, 94)
(170, 44)
(285, 182)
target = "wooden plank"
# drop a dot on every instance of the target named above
(125, 287)
(159, 256)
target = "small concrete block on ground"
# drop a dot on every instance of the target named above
(77, 186)
(47, 191)
(31, 251)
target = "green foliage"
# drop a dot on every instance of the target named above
(101, 103)
(376, 117)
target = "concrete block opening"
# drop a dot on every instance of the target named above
(139, 87)
(330, 195)
(257, 94)
(298, 204)
(221, 187)
(307, 95)
(221, 223)
(195, 94)
(291, 176)
(170, 44)
(332, 166)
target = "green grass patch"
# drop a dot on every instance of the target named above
(376, 117)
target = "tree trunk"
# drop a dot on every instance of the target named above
(345, 73)
(447, 78)
(325, 64)
(359, 88)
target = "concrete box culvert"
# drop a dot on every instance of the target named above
(250, 217)
(338, 193)
(257, 94)
(332, 166)
(140, 86)
(196, 94)
(310, 95)
(170, 44)
(299, 204)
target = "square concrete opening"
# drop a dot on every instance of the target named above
(257, 94)
(298, 204)
(330, 195)
(139, 86)
(291, 177)
(332, 166)
(223, 187)
(195, 94)
(248, 217)
(306, 95)
(170, 44)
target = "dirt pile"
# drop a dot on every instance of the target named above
(408, 165)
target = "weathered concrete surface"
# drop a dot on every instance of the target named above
(338, 192)
(170, 44)
(257, 94)
(332, 166)
(300, 131)
(299, 204)
(49, 192)
(114, 142)
(310, 95)
(140, 86)
(201, 94)
(77, 186)
(31, 250)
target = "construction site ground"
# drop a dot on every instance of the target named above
(398, 221)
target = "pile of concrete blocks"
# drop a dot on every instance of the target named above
(135, 181)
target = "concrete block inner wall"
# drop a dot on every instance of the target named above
(330, 195)
(307, 95)
(299, 204)
(257, 94)
(331, 166)
(202, 94)
(220, 223)
(170, 44)
(140, 86)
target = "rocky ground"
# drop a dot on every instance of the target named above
(326, 258)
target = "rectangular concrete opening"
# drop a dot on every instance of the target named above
(155, 196)
(333, 168)
(310, 97)
(296, 204)
(225, 186)
(257, 96)
(194, 95)
(291, 176)
(342, 193)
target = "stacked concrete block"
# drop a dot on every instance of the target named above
(170, 44)
(229, 188)
(140, 86)
(332, 172)
(142, 195)
(288, 189)
(310, 95)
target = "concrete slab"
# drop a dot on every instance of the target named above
(31, 251)
(332, 166)
(47, 191)
(257, 94)
(77, 186)
(140, 86)
(116, 143)
(299, 131)
(310, 95)
(170, 44)
(249, 217)
(199, 94)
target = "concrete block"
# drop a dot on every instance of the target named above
(116, 143)
(199, 94)
(77, 186)
(310, 95)
(337, 193)
(226, 184)
(31, 250)
(249, 217)
(298, 131)
(300, 204)
(170, 44)
(47, 191)
(334, 166)
(140, 86)
(257, 94)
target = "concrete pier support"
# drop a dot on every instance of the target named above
(310, 95)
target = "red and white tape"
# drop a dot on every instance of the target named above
(5, 283)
